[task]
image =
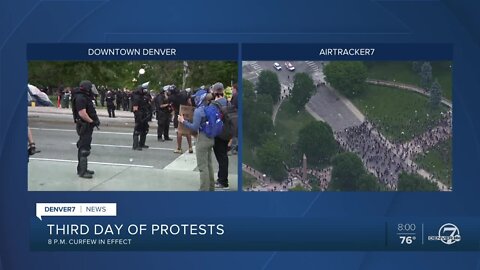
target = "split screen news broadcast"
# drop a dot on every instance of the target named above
(231, 141)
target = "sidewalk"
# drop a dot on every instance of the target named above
(47, 175)
(53, 114)
(409, 87)
(100, 111)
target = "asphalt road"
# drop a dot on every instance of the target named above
(251, 70)
(116, 165)
(326, 104)
(334, 109)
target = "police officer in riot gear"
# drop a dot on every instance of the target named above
(163, 112)
(141, 111)
(110, 98)
(85, 118)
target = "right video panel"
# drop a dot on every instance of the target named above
(347, 125)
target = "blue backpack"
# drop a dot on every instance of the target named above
(214, 124)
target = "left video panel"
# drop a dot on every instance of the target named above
(130, 125)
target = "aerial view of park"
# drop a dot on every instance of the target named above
(347, 126)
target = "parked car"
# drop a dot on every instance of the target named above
(289, 66)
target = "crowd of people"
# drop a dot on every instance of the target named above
(113, 99)
(211, 105)
(294, 178)
(165, 106)
(384, 159)
(432, 137)
(321, 178)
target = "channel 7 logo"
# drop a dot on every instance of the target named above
(448, 234)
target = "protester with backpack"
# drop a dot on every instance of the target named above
(220, 147)
(203, 124)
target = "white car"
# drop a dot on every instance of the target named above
(289, 66)
(277, 66)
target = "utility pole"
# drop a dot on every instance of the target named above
(185, 74)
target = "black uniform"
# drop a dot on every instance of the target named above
(142, 116)
(163, 116)
(151, 108)
(103, 93)
(110, 98)
(126, 102)
(83, 99)
(119, 96)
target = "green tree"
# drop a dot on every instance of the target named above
(257, 125)
(119, 74)
(316, 141)
(264, 103)
(158, 73)
(248, 89)
(209, 72)
(348, 174)
(257, 111)
(348, 77)
(426, 74)
(303, 90)
(270, 157)
(368, 182)
(249, 106)
(347, 169)
(109, 73)
(435, 94)
(414, 182)
(268, 84)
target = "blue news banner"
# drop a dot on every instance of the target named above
(62, 229)
(235, 234)
(259, 51)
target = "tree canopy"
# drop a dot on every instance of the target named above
(426, 74)
(119, 74)
(348, 77)
(349, 174)
(303, 90)
(270, 156)
(414, 182)
(248, 89)
(316, 141)
(268, 84)
(435, 94)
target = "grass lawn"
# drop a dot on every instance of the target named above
(438, 161)
(401, 71)
(443, 72)
(289, 122)
(398, 114)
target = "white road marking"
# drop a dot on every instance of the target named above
(92, 162)
(127, 146)
(185, 162)
(313, 65)
(95, 132)
(256, 66)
